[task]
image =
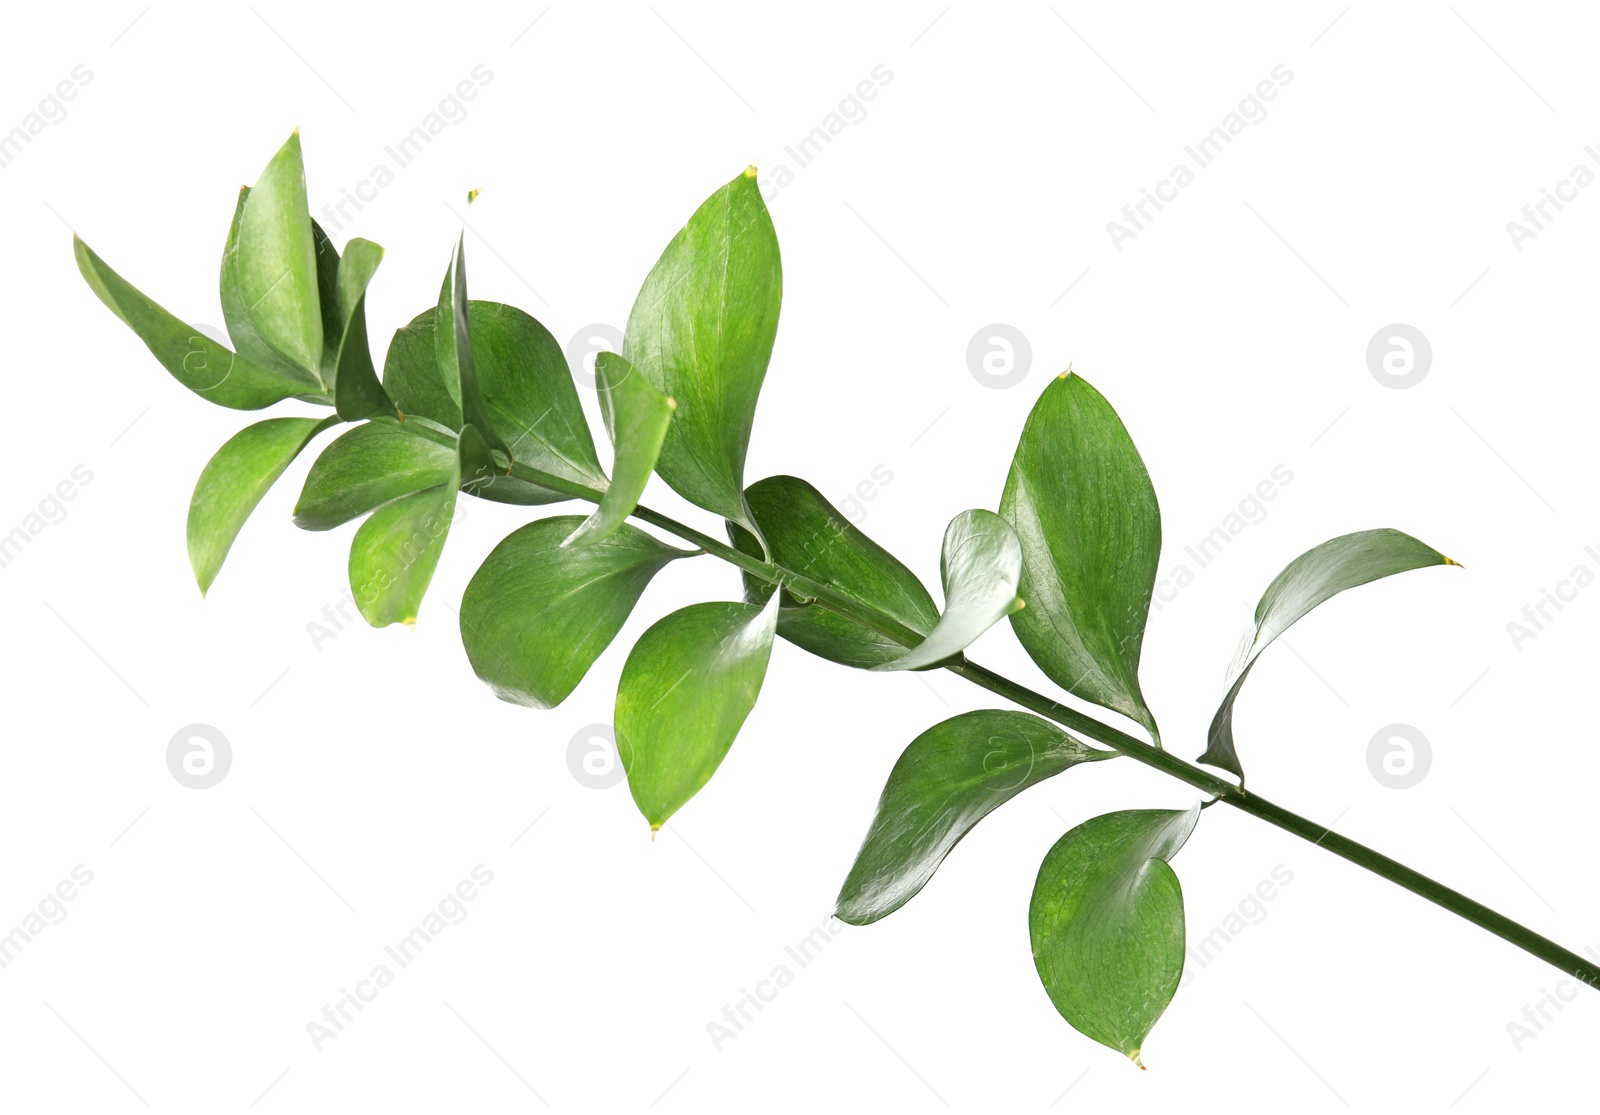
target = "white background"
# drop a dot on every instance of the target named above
(371, 775)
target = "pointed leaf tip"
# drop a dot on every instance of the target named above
(1107, 925)
(947, 780)
(685, 691)
(1307, 582)
(1083, 506)
(701, 331)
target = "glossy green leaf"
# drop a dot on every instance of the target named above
(243, 331)
(701, 331)
(950, 778)
(411, 371)
(980, 567)
(686, 688)
(240, 328)
(394, 553)
(453, 348)
(277, 262)
(357, 394)
(1319, 574)
(210, 370)
(637, 417)
(367, 467)
(233, 482)
(536, 614)
(333, 315)
(810, 536)
(1106, 921)
(1082, 503)
(484, 475)
(479, 469)
(529, 392)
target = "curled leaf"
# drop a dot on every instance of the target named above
(980, 566)
(277, 262)
(1106, 919)
(1317, 575)
(357, 393)
(637, 417)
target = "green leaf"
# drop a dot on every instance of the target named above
(243, 331)
(210, 370)
(1084, 509)
(686, 688)
(536, 614)
(333, 315)
(1319, 574)
(453, 345)
(483, 476)
(980, 567)
(411, 372)
(528, 388)
(479, 469)
(701, 331)
(810, 536)
(233, 482)
(357, 393)
(637, 417)
(1106, 920)
(950, 778)
(277, 262)
(394, 553)
(367, 467)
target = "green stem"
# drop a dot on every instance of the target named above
(1544, 948)
(1149, 754)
